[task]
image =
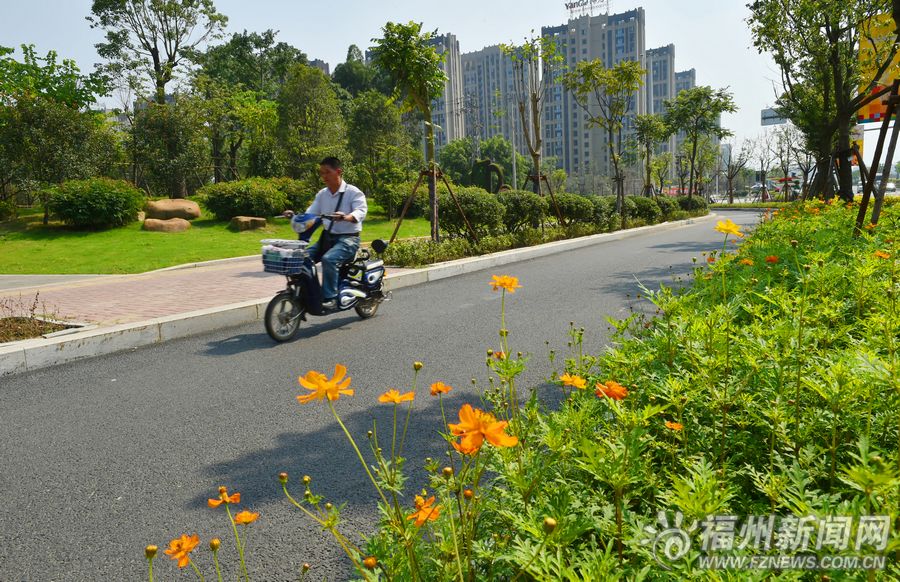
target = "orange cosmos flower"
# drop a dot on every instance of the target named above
(505, 282)
(180, 548)
(424, 510)
(224, 498)
(440, 388)
(748, 262)
(710, 260)
(573, 381)
(611, 389)
(323, 388)
(475, 426)
(245, 517)
(772, 259)
(676, 426)
(394, 396)
(883, 254)
(501, 355)
(869, 226)
(728, 227)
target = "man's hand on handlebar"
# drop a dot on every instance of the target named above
(288, 214)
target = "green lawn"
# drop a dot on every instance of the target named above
(29, 247)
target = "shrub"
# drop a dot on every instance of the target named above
(483, 209)
(8, 209)
(575, 208)
(394, 197)
(691, 203)
(253, 197)
(96, 203)
(646, 209)
(524, 209)
(298, 193)
(604, 211)
(667, 205)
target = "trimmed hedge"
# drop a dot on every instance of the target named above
(691, 203)
(646, 209)
(667, 205)
(524, 209)
(483, 209)
(96, 203)
(575, 208)
(253, 197)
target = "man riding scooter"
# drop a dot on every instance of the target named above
(343, 207)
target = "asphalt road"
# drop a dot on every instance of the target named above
(104, 456)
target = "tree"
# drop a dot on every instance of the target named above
(682, 169)
(310, 124)
(45, 77)
(662, 165)
(762, 155)
(456, 160)
(152, 37)
(405, 53)
(649, 131)
(536, 64)
(376, 141)
(250, 61)
(783, 146)
(607, 95)
(737, 160)
(697, 112)
(817, 45)
(354, 74)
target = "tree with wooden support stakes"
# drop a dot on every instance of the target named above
(536, 65)
(870, 176)
(607, 95)
(414, 66)
(649, 131)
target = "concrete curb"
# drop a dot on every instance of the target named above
(34, 354)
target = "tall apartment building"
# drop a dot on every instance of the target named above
(683, 80)
(579, 147)
(489, 94)
(447, 110)
(660, 84)
(321, 65)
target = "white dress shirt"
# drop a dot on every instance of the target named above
(353, 203)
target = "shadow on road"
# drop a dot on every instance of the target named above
(248, 342)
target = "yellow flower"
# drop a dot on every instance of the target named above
(394, 396)
(440, 388)
(475, 426)
(729, 227)
(180, 548)
(424, 511)
(573, 381)
(323, 388)
(245, 517)
(883, 254)
(505, 282)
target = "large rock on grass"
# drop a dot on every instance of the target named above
(170, 225)
(166, 209)
(247, 223)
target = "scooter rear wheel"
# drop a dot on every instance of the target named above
(283, 317)
(366, 309)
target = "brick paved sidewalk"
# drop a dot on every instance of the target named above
(130, 298)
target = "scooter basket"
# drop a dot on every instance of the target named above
(283, 257)
(282, 265)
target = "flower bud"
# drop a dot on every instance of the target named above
(428, 460)
(468, 494)
(794, 243)
(305, 567)
(369, 434)
(418, 366)
(329, 507)
(447, 472)
(504, 332)
(223, 490)
(283, 477)
(150, 552)
(306, 479)
(370, 563)
(490, 353)
(549, 525)
(214, 544)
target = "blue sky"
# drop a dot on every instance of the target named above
(709, 35)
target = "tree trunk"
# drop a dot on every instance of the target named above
(432, 178)
(217, 142)
(536, 164)
(730, 187)
(693, 161)
(845, 172)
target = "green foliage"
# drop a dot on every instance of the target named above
(646, 209)
(667, 205)
(381, 149)
(406, 54)
(575, 208)
(310, 124)
(171, 151)
(604, 211)
(251, 197)
(395, 195)
(524, 210)
(487, 175)
(46, 78)
(96, 203)
(691, 203)
(482, 209)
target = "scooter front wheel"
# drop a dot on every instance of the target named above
(366, 309)
(283, 317)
